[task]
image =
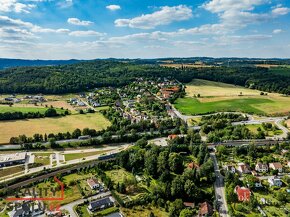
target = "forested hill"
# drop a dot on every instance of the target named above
(79, 77)
(8, 63)
(86, 75)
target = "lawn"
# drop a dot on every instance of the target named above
(119, 175)
(11, 170)
(142, 211)
(25, 109)
(254, 128)
(69, 123)
(84, 210)
(288, 123)
(219, 97)
(42, 158)
(74, 156)
(108, 211)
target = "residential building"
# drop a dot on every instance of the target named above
(93, 183)
(230, 168)
(27, 209)
(262, 168)
(276, 166)
(243, 168)
(189, 204)
(172, 136)
(244, 194)
(101, 204)
(193, 165)
(275, 181)
(205, 209)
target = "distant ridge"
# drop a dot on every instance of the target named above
(8, 63)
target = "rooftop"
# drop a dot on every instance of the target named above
(12, 157)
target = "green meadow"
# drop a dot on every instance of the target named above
(192, 106)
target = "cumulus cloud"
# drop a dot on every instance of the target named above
(164, 16)
(280, 11)
(78, 22)
(18, 30)
(86, 33)
(15, 6)
(277, 31)
(217, 6)
(113, 7)
(240, 13)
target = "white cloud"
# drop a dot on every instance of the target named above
(78, 22)
(113, 7)
(217, 6)
(18, 30)
(277, 31)
(15, 6)
(280, 11)
(239, 13)
(65, 3)
(86, 33)
(164, 16)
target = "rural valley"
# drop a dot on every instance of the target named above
(144, 108)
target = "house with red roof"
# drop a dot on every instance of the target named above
(205, 209)
(244, 194)
(172, 136)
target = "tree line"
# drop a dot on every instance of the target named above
(100, 73)
(51, 112)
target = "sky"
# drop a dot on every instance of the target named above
(90, 29)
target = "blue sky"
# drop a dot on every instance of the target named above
(88, 29)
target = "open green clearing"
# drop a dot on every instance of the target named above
(26, 109)
(285, 70)
(254, 128)
(68, 123)
(42, 158)
(74, 156)
(142, 211)
(221, 97)
(11, 170)
(192, 106)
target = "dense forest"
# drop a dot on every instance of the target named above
(99, 73)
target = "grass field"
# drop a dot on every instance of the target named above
(69, 123)
(142, 211)
(220, 97)
(281, 70)
(254, 128)
(288, 123)
(11, 170)
(42, 158)
(25, 109)
(179, 65)
(74, 156)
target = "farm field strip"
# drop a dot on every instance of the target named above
(68, 123)
(220, 97)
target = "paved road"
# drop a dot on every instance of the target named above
(69, 207)
(260, 142)
(281, 127)
(72, 162)
(219, 187)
